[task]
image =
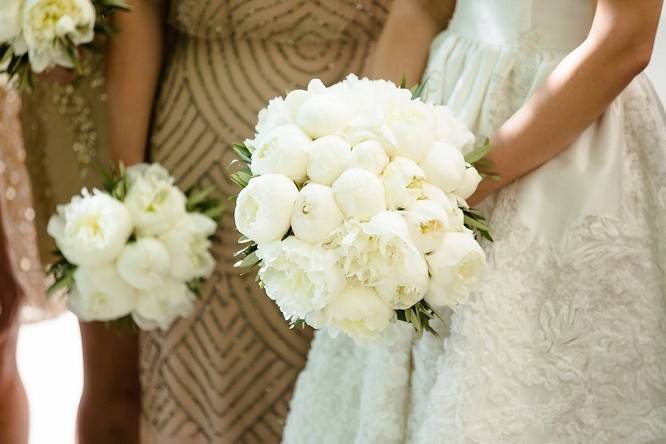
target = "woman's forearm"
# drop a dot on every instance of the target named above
(577, 92)
(402, 50)
(133, 67)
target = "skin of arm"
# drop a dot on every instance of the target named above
(618, 48)
(134, 61)
(402, 49)
(111, 368)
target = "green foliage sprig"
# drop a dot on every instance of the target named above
(62, 272)
(419, 315)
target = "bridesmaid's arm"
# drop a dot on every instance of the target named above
(577, 92)
(134, 61)
(402, 50)
(110, 406)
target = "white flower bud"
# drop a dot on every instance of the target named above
(403, 180)
(263, 208)
(456, 268)
(444, 166)
(370, 155)
(428, 223)
(284, 150)
(315, 215)
(329, 157)
(359, 194)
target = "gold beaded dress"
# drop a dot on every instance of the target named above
(51, 146)
(226, 374)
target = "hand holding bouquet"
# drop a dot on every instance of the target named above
(353, 207)
(139, 251)
(36, 35)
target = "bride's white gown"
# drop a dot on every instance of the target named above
(566, 341)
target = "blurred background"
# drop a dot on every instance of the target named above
(50, 352)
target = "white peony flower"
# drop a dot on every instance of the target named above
(456, 268)
(47, 24)
(455, 216)
(10, 19)
(408, 285)
(159, 307)
(263, 208)
(144, 264)
(315, 215)
(435, 194)
(358, 312)
(428, 223)
(294, 100)
(329, 157)
(452, 130)
(359, 194)
(469, 184)
(189, 246)
(316, 86)
(403, 181)
(274, 115)
(444, 166)
(410, 129)
(299, 277)
(371, 252)
(283, 150)
(322, 114)
(457, 221)
(371, 101)
(92, 229)
(369, 155)
(153, 201)
(100, 294)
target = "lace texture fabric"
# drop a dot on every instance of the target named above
(566, 340)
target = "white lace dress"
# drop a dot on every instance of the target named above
(566, 341)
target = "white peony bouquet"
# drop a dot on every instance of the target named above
(353, 207)
(138, 252)
(36, 35)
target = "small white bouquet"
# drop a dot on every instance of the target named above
(36, 35)
(137, 252)
(353, 207)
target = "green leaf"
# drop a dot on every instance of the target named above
(417, 91)
(403, 82)
(247, 250)
(194, 198)
(215, 213)
(243, 152)
(298, 323)
(484, 164)
(473, 223)
(241, 178)
(493, 177)
(248, 261)
(196, 286)
(64, 282)
(479, 152)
